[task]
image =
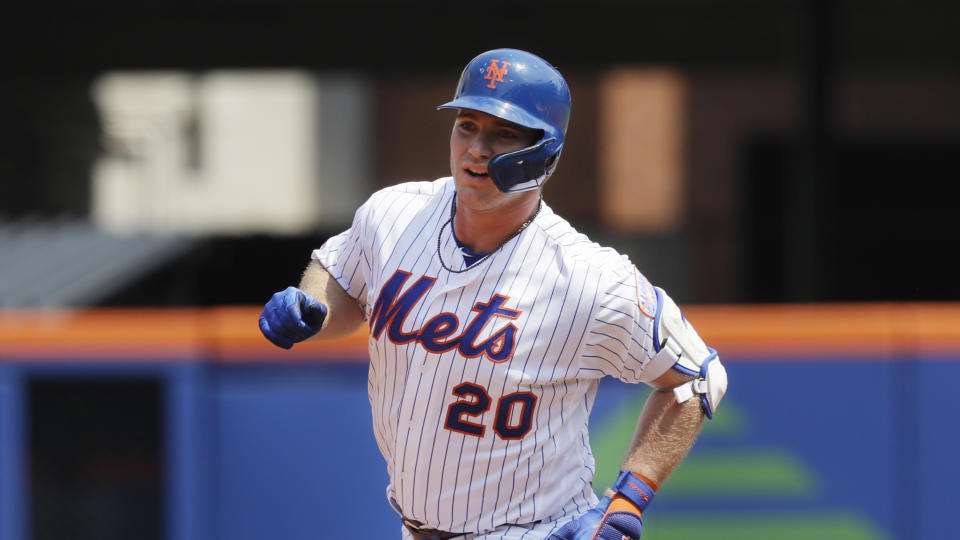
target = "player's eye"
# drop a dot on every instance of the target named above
(466, 126)
(508, 134)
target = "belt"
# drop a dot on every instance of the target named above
(419, 533)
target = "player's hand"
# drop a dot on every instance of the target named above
(601, 523)
(617, 517)
(291, 316)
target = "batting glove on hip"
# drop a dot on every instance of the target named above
(291, 316)
(617, 517)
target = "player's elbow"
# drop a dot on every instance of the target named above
(670, 380)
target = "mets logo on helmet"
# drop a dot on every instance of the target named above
(495, 72)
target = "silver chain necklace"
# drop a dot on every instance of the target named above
(453, 213)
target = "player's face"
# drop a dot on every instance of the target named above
(477, 137)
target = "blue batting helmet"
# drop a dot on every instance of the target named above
(524, 89)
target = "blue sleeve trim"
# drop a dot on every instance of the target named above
(657, 344)
(686, 371)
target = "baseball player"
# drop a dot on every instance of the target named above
(491, 321)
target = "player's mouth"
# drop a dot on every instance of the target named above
(476, 172)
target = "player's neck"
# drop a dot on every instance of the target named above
(484, 232)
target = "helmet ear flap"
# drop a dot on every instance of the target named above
(525, 169)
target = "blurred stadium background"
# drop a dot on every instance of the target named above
(782, 167)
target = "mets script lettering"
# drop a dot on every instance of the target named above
(495, 73)
(390, 312)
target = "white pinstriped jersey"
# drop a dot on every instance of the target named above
(481, 383)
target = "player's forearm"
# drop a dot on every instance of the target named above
(343, 314)
(665, 432)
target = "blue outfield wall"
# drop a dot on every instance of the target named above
(297, 456)
(839, 448)
(12, 481)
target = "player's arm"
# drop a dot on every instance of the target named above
(665, 430)
(317, 307)
(682, 368)
(344, 315)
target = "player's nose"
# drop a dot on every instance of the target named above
(480, 147)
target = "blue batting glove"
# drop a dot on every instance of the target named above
(615, 518)
(291, 316)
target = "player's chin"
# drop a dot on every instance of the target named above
(478, 195)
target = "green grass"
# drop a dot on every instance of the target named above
(751, 472)
(832, 526)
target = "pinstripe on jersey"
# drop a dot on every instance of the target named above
(474, 440)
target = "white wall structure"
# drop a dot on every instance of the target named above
(230, 152)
